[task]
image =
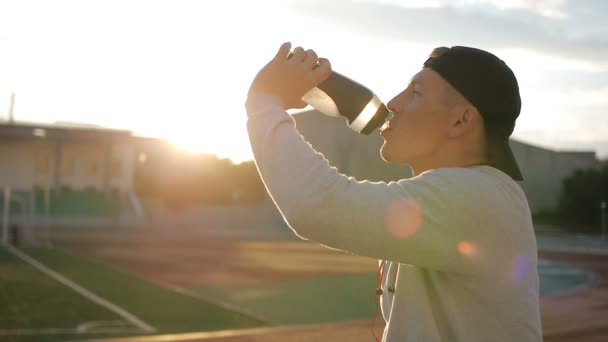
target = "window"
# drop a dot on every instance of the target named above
(116, 168)
(41, 165)
(90, 168)
(67, 166)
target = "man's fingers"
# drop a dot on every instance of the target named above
(311, 58)
(283, 51)
(322, 72)
(297, 55)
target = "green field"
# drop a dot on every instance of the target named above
(304, 301)
(35, 307)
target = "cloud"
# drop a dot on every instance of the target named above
(480, 24)
(582, 79)
(547, 8)
(567, 118)
(590, 97)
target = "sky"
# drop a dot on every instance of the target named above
(180, 70)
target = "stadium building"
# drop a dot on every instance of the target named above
(73, 176)
(54, 175)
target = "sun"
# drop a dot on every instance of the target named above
(232, 143)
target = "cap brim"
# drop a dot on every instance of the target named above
(501, 157)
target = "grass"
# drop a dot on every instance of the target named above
(303, 301)
(336, 298)
(31, 300)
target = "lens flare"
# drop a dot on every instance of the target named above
(466, 248)
(520, 268)
(403, 218)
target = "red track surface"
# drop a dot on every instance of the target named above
(582, 314)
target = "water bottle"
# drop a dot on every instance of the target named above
(340, 96)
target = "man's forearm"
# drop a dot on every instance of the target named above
(284, 159)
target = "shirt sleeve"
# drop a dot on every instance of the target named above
(418, 221)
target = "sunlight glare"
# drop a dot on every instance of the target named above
(520, 268)
(403, 218)
(466, 248)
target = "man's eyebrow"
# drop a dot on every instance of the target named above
(416, 81)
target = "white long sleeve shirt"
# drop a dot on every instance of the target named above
(462, 237)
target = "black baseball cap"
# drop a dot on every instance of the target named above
(489, 84)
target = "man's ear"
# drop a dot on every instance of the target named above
(464, 119)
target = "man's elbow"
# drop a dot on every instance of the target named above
(303, 221)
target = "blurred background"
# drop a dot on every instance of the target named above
(130, 204)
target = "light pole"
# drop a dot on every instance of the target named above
(11, 108)
(603, 209)
(6, 214)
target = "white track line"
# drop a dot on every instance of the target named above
(88, 326)
(82, 291)
(65, 331)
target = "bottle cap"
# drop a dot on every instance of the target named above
(377, 120)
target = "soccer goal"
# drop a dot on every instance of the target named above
(22, 223)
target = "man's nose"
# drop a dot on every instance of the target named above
(393, 104)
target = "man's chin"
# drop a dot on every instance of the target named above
(385, 155)
(390, 158)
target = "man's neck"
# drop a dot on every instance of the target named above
(420, 166)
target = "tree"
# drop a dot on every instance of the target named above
(583, 192)
(183, 180)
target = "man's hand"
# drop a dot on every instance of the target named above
(291, 75)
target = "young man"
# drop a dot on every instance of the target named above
(460, 258)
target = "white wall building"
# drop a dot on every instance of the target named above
(45, 163)
(66, 157)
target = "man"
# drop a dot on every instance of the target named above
(457, 238)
